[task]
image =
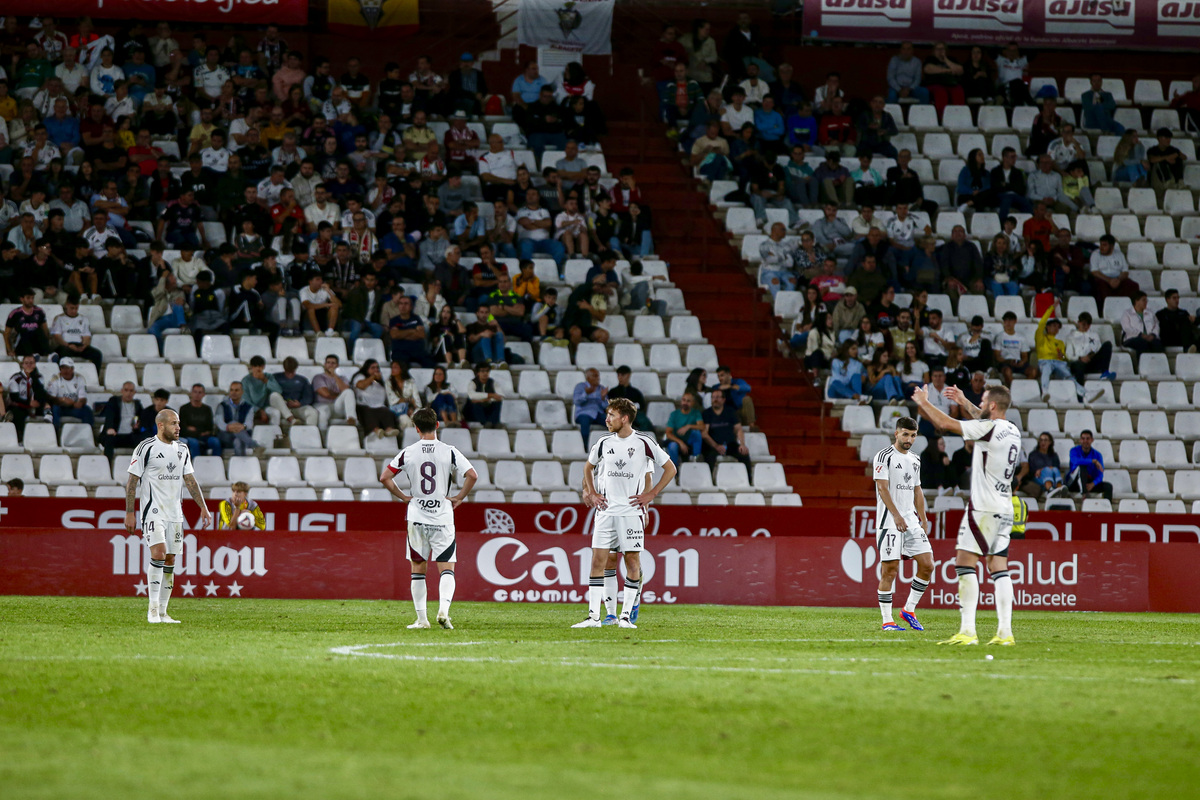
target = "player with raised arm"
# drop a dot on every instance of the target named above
(431, 466)
(987, 523)
(160, 467)
(900, 523)
(614, 482)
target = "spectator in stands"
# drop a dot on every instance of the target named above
(1007, 185)
(484, 401)
(685, 431)
(742, 42)
(904, 74)
(974, 188)
(1129, 160)
(914, 371)
(943, 77)
(121, 414)
(905, 185)
(1086, 353)
(370, 395)
(867, 280)
(26, 332)
(1000, 268)
(72, 334)
(771, 129)
(937, 379)
(1166, 165)
(321, 307)
(362, 307)
(207, 308)
(497, 169)
(710, 154)
(836, 130)
(979, 76)
(297, 395)
(777, 270)
(1052, 354)
(334, 396)
(1188, 104)
(407, 333)
(402, 397)
(829, 283)
(485, 338)
(587, 306)
(1139, 329)
(264, 393)
(802, 129)
(1110, 271)
(67, 395)
(869, 187)
(1011, 349)
(936, 471)
(876, 127)
(627, 390)
(197, 427)
(534, 226)
(235, 422)
(935, 339)
(1043, 470)
(441, 396)
(678, 97)
(961, 265)
(1046, 127)
(591, 400)
(701, 49)
(836, 185)
(820, 343)
(847, 313)
(1099, 107)
(543, 124)
(974, 349)
(1087, 469)
(1066, 149)
(447, 338)
(801, 188)
(247, 309)
(1178, 327)
(722, 433)
(509, 309)
(737, 395)
(456, 280)
(846, 379)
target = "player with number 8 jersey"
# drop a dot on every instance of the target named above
(431, 467)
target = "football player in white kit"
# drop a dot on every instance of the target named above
(987, 523)
(431, 466)
(900, 523)
(614, 482)
(161, 466)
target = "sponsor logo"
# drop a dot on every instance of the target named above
(867, 13)
(1006, 16)
(497, 521)
(615, 474)
(621, 464)
(170, 467)
(1099, 17)
(631, 452)
(1179, 18)
(129, 557)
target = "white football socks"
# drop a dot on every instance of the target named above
(968, 597)
(168, 583)
(595, 595)
(1004, 602)
(419, 593)
(885, 606)
(916, 590)
(632, 588)
(445, 592)
(154, 576)
(610, 592)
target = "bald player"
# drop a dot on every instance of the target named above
(161, 466)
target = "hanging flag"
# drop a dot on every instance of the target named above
(577, 26)
(367, 17)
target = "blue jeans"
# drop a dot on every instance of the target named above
(716, 169)
(1009, 288)
(355, 329)
(1132, 173)
(84, 414)
(174, 318)
(540, 142)
(180, 238)
(585, 425)
(844, 390)
(1010, 200)
(197, 446)
(803, 192)
(775, 280)
(551, 247)
(919, 92)
(799, 341)
(759, 204)
(489, 348)
(694, 442)
(1057, 369)
(888, 388)
(504, 250)
(644, 247)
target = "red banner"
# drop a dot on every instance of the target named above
(1127, 24)
(522, 518)
(228, 12)
(811, 571)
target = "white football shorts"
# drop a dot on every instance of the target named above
(894, 545)
(158, 531)
(623, 532)
(431, 542)
(985, 533)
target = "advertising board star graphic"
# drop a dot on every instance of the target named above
(235, 589)
(140, 587)
(189, 589)
(210, 589)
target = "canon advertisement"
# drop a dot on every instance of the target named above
(541, 568)
(1134, 24)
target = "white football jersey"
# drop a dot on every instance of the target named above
(161, 467)
(995, 460)
(902, 471)
(620, 467)
(431, 466)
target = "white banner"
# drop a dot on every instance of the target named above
(578, 26)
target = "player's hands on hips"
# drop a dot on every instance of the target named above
(130, 522)
(456, 501)
(643, 500)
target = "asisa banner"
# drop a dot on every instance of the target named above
(1129, 24)
(539, 568)
(228, 12)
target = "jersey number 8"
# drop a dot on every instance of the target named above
(428, 477)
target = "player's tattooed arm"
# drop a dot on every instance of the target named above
(131, 487)
(194, 489)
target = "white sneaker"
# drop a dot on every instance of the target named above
(421, 623)
(165, 617)
(590, 622)
(330, 333)
(444, 621)
(1096, 395)
(625, 622)
(152, 616)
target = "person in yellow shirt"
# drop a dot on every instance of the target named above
(8, 104)
(1052, 355)
(228, 510)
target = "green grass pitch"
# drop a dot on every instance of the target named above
(331, 699)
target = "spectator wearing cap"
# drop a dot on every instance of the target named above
(591, 400)
(468, 87)
(68, 395)
(847, 313)
(1139, 327)
(1052, 353)
(1086, 353)
(1110, 271)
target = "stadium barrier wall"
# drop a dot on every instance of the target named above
(529, 518)
(797, 570)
